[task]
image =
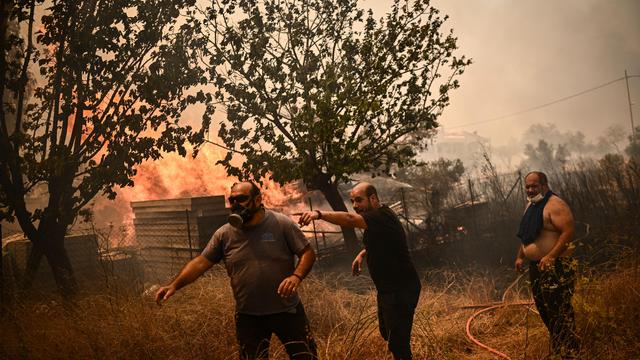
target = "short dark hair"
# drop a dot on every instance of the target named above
(542, 177)
(255, 190)
(370, 190)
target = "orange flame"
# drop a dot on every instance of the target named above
(174, 176)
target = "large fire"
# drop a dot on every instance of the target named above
(174, 176)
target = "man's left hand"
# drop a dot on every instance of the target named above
(288, 286)
(546, 263)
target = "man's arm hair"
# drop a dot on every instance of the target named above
(562, 220)
(307, 257)
(192, 271)
(344, 218)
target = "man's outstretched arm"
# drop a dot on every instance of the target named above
(190, 273)
(341, 218)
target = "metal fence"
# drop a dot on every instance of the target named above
(152, 249)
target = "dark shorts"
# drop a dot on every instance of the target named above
(292, 328)
(395, 318)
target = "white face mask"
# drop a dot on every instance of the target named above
(536, 199)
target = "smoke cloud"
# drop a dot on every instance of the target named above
(528, 53)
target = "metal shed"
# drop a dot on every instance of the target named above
(170, 232)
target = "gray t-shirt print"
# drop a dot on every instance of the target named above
(257, 260)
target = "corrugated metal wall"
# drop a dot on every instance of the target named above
(171, 232)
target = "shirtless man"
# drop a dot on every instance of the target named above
(546, 232)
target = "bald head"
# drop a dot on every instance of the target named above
(538, 176)
(364, 197)
(536, 185)
(246, 187)
(365, 188)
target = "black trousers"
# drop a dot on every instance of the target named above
(292, 328)
(395, 319)
(552, 292)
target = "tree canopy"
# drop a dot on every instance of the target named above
(318, 90)
(633, 148)
(315, 89)
(434, 181)
(545, 156)
(94, 88)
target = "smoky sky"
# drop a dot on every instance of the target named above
(527, 53)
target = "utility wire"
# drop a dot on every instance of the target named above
(222, 146)
(542, 105)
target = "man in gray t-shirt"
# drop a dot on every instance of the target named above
(257, 259)
(258, 254)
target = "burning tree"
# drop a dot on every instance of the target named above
(316, 90)
(91, 89)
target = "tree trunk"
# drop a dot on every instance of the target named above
(51, 245)
(331, 193)
(1, 273)
(33, 263)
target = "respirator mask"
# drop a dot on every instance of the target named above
(239, 214)
(536, 199)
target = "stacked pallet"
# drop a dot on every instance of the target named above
(173, 231)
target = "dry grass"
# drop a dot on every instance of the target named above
(609, 311)
(198, 322)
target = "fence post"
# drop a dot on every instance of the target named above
(405, 209)
(313, 222)
(1, 273)
(189, 234)
(521, 187)
(513, 187)
(472, 211)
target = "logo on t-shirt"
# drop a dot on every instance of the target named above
(268, 237)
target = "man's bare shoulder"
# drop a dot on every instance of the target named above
(556, 206)
(557, 202)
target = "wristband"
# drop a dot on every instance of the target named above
(319, 214)
(298, 276)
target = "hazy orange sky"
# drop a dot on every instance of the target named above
(530, 52)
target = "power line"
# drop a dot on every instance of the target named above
(222, 146)
(542, 105)
(633, 128)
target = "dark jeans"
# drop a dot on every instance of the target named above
(552, 292)
(395, 318)
(292, 328)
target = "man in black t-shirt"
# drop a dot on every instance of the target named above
(389, 263)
